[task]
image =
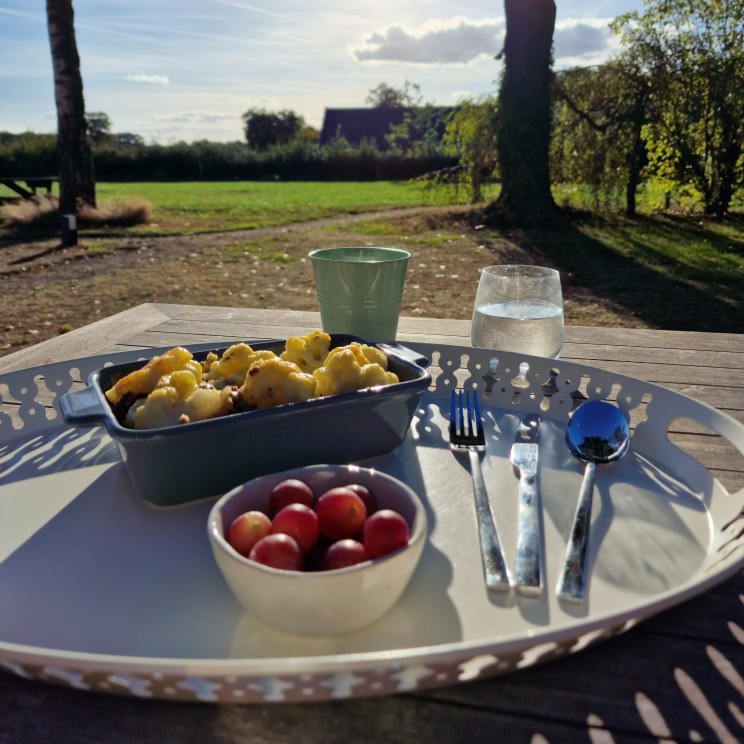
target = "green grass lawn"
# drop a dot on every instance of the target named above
(193, 207)
(199, 207)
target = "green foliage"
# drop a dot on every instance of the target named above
(385, 96)
(598, 119)
(264, 129)
(421, 130)
(471, 136)
(99, 126)
(130, 159)
(28, 154)
(693, 54)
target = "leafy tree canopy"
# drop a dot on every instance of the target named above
(264, 129)
(693, 54)
(385, 96)
(99, 126)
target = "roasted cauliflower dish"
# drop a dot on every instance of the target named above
(174, 388)
(352, 367)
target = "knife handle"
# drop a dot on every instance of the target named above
(527, 565)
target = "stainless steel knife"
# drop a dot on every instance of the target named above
(524, 454)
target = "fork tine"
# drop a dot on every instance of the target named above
(478, 419)
(468, 396)
(460, 414)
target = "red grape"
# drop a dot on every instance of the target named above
(365, 495)
(344, 553)
(278, 551)
(297, 521)
(246, 530)
(291, 491)
(384, 532)
(341, 513)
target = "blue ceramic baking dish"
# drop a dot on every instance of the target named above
(177, 464)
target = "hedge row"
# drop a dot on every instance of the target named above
(35, 155)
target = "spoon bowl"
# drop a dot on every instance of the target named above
(597, 433)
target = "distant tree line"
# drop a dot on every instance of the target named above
(128, 158)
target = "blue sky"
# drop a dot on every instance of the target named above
(172, 70)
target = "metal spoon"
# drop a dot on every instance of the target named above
(597, 433)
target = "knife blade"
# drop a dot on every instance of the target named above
(524, 457)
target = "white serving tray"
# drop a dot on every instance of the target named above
(99, 591)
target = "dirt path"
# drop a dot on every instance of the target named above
(18, 254)
(47, 290)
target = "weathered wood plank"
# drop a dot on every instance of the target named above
(642, 684)
(87, 341)
(71, 716)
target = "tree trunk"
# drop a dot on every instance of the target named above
(74, 159)
(524, 109)
(636, 159)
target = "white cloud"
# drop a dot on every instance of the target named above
(458, 41)
(587, 41)
(461, 41)
(149, 79)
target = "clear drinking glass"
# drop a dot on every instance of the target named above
(519, 308)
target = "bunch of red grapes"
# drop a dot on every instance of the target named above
(343, 527)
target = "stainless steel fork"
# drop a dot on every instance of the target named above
(467, 437)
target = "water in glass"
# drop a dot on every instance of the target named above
(527, 326)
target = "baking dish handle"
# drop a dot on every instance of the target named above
(403, 352)
(81, 407)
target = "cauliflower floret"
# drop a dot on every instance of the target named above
(143, 381)
(362, 353)
(178, 399)
(233, 366)
(307, 352)
(272, 382)
(347, 369)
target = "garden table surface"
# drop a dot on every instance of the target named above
(678, 676)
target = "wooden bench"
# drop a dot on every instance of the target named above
(32, 184)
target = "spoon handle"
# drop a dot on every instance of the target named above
(572, 580)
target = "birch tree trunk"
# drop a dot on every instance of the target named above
(524, 109)
(74, 159)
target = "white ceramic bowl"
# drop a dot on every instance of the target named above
(319, 603)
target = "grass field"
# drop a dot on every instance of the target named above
(198, 207)
(193, 207)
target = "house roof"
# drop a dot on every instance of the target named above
(357, 124)
(371, 124)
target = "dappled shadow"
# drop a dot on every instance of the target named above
(659, 290)
(35, 256)
(10, 238)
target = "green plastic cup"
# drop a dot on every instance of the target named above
(360, 289)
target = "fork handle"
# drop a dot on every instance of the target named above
(527, 563)
(494, 565)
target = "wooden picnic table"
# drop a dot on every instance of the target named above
(678, 676)
(32, 183)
